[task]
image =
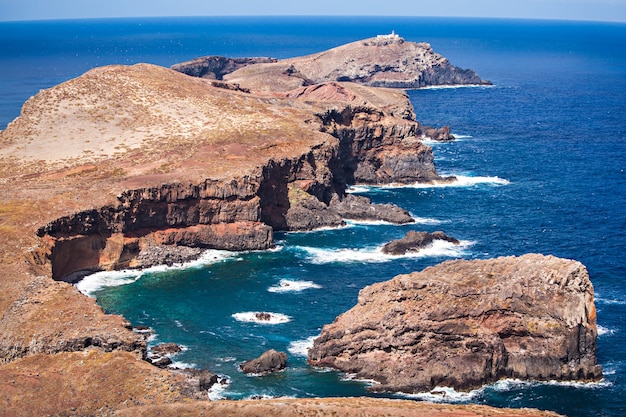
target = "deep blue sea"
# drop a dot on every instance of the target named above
(541, 158)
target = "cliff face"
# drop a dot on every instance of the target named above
(153, 162)
(463, 324)
(131, 166)
(157, 193)
(383, 61)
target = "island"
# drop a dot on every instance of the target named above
(132, 166)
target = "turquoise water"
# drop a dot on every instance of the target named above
(541, 156)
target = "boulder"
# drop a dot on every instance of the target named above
(463, 324)
(161, 362)
(361, 208)
(414, 241)
(268, 362)
(166, 349)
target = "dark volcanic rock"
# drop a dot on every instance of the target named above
(441, 135)
(463, 324)
(361, 208)
(414, 241)
(268, 362)
(163, 362)
(166, 349)
(215, 67)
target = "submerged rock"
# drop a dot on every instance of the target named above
(361, 208)
(414, 241)
(462, 324)
(268, 362)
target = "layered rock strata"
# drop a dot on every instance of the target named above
(463, 324)
(148, 199)
(123, 166)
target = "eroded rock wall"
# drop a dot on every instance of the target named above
(463, 324)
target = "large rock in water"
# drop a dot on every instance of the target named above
(463, 324)
(268, 362)
(414, 241)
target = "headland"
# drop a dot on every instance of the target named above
(126, 167)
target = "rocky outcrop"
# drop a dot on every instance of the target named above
(463, 324)
(269, 362)
(414, 241)
(215, 67)
(355, 207)
(383, 61)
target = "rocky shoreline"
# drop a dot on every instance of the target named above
(157, 166)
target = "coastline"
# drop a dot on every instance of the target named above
(37, 252)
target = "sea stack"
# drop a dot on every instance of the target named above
(463, 324)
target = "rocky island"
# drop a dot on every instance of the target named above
(129, 166)
(464, 324)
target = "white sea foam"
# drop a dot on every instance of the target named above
(104, 279)
(259, 317)
(427, 220)
(418, 220)
(287, 285)
(453, 87)
(375, 255)
(600, 300)
(216, 392)
(515, 384)
(301, 347)
(450, 395)
(319, 229)
(99, 280)
(460, 182)
(355, 189)
(353, 377)
(603, 331)
(182, 365)
(444, 394)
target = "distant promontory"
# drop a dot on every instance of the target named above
(382, 61)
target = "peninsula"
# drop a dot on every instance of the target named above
(130, 166)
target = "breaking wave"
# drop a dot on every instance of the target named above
(462, 181)
(261, 317)
(287, 285)
(301, 347)
(99, 280)
(439, 248)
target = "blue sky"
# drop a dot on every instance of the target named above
(604, 10)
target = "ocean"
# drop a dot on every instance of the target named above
(540, 156)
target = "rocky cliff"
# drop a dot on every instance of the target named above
(463, 324)
(382, 61)
(173, 168)
(128, 166)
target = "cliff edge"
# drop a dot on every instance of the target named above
(99, 171)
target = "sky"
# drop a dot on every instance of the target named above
(600, 10)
